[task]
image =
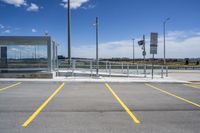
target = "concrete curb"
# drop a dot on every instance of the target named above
(100, 80)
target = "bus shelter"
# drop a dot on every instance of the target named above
(28, 53)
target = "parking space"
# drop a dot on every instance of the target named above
(18, 102)
(7, 85)
(94, 107)
(187, 92)
(140, 97)
(158, 111)
(84, 107)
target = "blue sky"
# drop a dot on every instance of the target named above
(120, 21)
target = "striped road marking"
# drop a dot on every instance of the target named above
(131, 114)
(33, 116)
(193, 86)
(5, 88)
(173, 95)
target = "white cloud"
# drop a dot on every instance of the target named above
(1, 26)
(33, 8)
(198, 33)
(7, 31)
(182, 48)
(74, 3)
(34, 30)
(113, 49)
(188, 47)
(17, 3)
(89, 7)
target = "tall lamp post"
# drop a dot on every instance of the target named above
(69, 33)
(133, 51)
(97, 45)
(164, 30)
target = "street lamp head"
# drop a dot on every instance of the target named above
(167, 19)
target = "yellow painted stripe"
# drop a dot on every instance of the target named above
(5, 88)
(131, 114)
(173, 95)
(32, 117)
(193, 86)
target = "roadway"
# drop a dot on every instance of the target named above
(60, 107)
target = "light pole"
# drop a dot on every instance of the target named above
(97, 45)
(133, 51)
(69, 33)
(164, 29)
(35, 52)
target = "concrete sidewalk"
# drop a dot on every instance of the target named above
(105, 79)
(190, 76)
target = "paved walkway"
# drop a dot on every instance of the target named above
(186, 75)
(104, 79)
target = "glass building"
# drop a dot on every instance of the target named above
(28, 53)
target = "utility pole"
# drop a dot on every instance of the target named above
(144, 49)
(144, 54)
(20, 54)
(164, 29)
(97, 46)
(35, 52)
(133, 51)
(69, 33)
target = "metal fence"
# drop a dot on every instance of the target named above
(81, 67)
(107, 68)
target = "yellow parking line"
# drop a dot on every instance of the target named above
(33, 116)
(173, 95)
(193, 86)
(131, 114)
(5, 88)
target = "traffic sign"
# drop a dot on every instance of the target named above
(154, 43)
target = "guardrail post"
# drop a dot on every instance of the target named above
(137, 69)
(166, 71)
(106, 66)
(109, 69)
(73, 67)
(145, 70)
(161, 71)
(91, 71)
(122, 67)
(127, 70)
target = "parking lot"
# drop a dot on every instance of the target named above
(60, 107)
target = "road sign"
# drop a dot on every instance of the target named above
(154, 43)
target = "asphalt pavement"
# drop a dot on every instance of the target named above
(70, 107)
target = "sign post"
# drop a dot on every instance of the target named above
(153, 49)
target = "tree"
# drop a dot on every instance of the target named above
(187, 61)
(61, 57)
(197, 63)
